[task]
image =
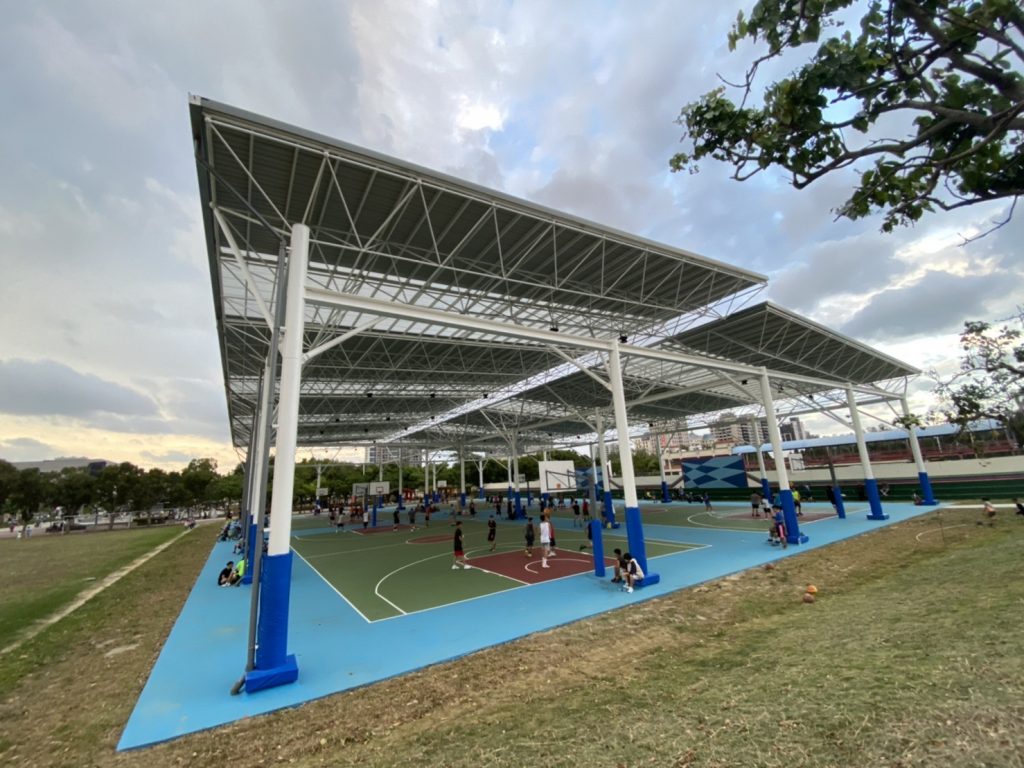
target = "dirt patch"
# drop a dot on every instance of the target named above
(119, 650)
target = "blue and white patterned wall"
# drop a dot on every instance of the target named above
(715, 472)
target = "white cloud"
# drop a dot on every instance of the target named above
(570, 104)
(478, 115)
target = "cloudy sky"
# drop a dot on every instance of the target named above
(107, 342)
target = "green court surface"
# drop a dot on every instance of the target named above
(728, 515)
(310, 522)
(386, 573)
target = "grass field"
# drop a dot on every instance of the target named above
(39, 575)
(912, 656)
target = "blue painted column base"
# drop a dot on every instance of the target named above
(544, 497)
(665, 497)
(247, 576)
(529, 499)
(480, 494)
(462, 499)
(837, 494)
(927, 495)
(518, 505)
(766, 489)
(793, 535)
(609, 511)
(274, 665)
(401, 496)
(597, 541)
(874, 500)
(637, 546)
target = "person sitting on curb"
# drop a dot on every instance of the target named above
(634, 573)
(224, 579)
(620, 567)
(779, 524)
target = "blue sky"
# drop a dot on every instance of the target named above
(108, 344)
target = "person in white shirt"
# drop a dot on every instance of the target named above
(545, 542)
(634, 573)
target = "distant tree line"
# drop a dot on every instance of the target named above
(126, 488)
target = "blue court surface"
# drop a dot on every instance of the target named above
(337, 649)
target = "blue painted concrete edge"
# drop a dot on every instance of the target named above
(204, 655)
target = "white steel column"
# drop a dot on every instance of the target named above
(608, 508)
(793, 535)
(622, 428)
(927, 496)
(593, 479)
(462, 478)
(634, 527)
(274, 665)
(870, 484)
(766, 488)
(665, 498)
(515, 476)
(401, 490)
(288, 405)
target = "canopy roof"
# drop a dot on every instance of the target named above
(440, 312)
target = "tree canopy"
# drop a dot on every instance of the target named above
(948, 71)
(990, 383)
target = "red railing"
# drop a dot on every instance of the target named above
(946, 453)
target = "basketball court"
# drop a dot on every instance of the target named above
(346, 635)
(413, 311)
(382, 572)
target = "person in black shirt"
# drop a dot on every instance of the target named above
(225, 575)
(460, 556)
(621, 564)
(492, 531)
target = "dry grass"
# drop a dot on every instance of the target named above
(912, 656)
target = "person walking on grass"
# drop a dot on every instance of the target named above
(530, 536)
(460, 555)
(492, 531)
(989, 510)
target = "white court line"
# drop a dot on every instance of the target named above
(368, 621)
(526, 584)
(493, 573)
(939, 529)
(527, 568)
(358, 550)
(716, 527)
(376, 589)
